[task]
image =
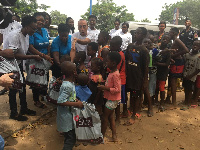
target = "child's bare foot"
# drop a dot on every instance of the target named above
(130, 122)
(117, 122)
(114, 138)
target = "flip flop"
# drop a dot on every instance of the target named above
(194, 106)
(138, 115)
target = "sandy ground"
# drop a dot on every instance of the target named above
(170, 130)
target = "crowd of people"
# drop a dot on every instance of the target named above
(102, 68)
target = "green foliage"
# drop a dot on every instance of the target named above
(145, 20)
(187, 8)
(106, 12)
(27, 7)
(56, 19)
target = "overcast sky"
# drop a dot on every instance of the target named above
(142, 9)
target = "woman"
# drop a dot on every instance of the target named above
(39, 45)
(116, 29)
(70, 23)
(162, 26)
(60, 47)
(126, 37)
(47, 23)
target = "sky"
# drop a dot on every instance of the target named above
(142, 9)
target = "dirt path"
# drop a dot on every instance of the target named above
(170, 130)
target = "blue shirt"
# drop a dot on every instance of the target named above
(58, 46)
(83, 93)
(64, 115)
(40, 41)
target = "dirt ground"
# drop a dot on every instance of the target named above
(169, 130)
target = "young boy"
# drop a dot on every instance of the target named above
(112, 93)
(115, 45)
(67, 98)
(176, 69)
(162, 62)
(191, 70)
(92, 30)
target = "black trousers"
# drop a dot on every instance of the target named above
(70, 140)
(22, 96)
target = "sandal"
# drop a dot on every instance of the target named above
(40, 105)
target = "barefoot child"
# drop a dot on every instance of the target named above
(96, 79)
(176, 69)
(115, 45)
(112, 92)
(162, 62)
(67, 98)
(190, 72)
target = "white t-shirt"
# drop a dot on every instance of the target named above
(126, 40)
(17, 41)
(12, 26)
(94, 34)
(80, 47)
(114, 32)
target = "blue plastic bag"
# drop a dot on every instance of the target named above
(1, 143)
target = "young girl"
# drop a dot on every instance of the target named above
(112, 92)
(96, 79)
(79, 60)
(103, 42)
(92, 49)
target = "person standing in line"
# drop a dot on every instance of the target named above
(116, 29)
(92, 30)
(70, 23)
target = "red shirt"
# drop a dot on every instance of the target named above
(122, 69)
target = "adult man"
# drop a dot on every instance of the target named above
(82, 38)
(19, 41)
(188, 35)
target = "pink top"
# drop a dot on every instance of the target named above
(114, 83)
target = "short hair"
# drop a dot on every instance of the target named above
(117, 20)
(162, 22)
(82, 79)
(17, 16)
(38, 14)
(82, 55)
(125, 23)
(98, 62)
(144, 30)
(117, 40)
(175, 30)
(46, 14)
(92, 16)
(94, 46)
(67, 68)
(105, 35)
(27, 20)
(65, 58)
(62, 27)
(115, 57)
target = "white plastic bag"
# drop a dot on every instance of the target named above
(37, 73)
(87, 124)
(11, 66)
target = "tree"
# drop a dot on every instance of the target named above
(56, 19)
(27, 7)
(106, 12)
(145, 20)
(187, 8)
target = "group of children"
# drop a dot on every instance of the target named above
(142, 69)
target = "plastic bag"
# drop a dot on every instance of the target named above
(87, 124)
(37, 73)
(2, 143)
(53, 91)
(11, 66)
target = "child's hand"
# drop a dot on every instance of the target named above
(102, 87)
(79, 103)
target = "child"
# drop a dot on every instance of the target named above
(162, 62)
(136, 65)
(92, 49)
(66, 99)
(96, 79)
(152, 68)
(103, 42)
(176, 69)
(112, 92)
(191, 70)
(79, 60)
(115, 45)
(83, 93)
